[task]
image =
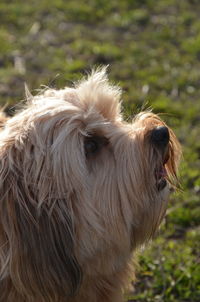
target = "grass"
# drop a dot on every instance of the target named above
(153, 49)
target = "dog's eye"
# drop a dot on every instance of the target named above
(91, 146)
(94, 144)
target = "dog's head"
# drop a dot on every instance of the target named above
(80, 188)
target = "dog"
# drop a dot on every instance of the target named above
(81, 189)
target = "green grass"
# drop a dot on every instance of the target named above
(153, 48)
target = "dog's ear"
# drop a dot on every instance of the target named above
(36, 244)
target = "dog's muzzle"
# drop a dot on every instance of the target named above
(160, 139)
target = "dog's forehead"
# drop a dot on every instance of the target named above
(96, 93)
(91, 94)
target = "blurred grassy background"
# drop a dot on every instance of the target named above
(153, 48)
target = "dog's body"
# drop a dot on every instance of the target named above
(80, 190)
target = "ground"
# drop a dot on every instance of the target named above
(153, 51)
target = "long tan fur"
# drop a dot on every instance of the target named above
(71, 218)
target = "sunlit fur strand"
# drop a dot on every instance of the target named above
(69, 224)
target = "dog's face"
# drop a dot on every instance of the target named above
(80, 188)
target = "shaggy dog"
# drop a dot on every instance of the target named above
(80, 190)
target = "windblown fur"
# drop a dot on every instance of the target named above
(78, 194)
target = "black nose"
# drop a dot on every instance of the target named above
(160, 136)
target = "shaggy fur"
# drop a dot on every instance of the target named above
(78, 194)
